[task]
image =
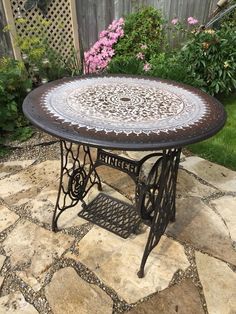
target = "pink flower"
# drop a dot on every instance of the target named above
(143, 46)
(111, 52)
(140, 55)
(100, 54)
(192, 21)
(103, 33)
(175, 21)
(147, 67)
(121, 21)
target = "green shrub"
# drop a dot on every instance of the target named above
(210, 60)
(168, 66)
(41, 60)
(125, 65)
(14, 83)
(143, 36)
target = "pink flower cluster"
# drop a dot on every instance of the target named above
(100, 54)
(141, 56)
(175, 21)
(192, 21)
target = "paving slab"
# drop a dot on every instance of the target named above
(25, 185)
(68, 293)
(42, 208)
(198, 225)
(219, 176)
(219, 284)
(188, 185)
(9, 167)
(226, 207)
(15, 303)
(7, 218)
(93, 154)
(32, 249)
(182, 299)
(139, 154)
(118, 180)
(116, 261)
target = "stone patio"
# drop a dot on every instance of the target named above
(86, 269)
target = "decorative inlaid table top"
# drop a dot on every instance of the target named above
(128, 112)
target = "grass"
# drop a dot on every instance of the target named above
(221, 148)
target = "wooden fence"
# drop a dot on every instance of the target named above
(95, 15)
(5, 42)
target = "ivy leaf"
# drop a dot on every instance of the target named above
(30, 4)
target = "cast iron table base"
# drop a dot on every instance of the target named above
(154, 193)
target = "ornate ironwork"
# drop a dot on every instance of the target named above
(131, 167)
(78, 175)
(155, 192)
(112, 214)
(156, 199)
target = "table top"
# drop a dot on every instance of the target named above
(124, 112)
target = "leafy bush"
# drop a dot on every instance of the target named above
(169, 66)
(207, 60)
(143, 33)
(125, 65)
(143, 37)
(14, 85)
(210, 60)
(41, 60)
(40, 64)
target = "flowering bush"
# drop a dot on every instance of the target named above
(143, 37)
(207, 59)
(100, 54)
(210, 59)
(182, 29)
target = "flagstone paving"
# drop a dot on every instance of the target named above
(68, 293)
(219, 284)
(86, 269)
(219, 176)
(226, 207)
(15, 303)
(181, 298)
(116, 262)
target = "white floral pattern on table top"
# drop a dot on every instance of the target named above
(125, 105)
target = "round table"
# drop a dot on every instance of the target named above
(127, 113)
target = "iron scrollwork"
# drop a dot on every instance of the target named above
(156, 201)
(154, 194)
(78, 176)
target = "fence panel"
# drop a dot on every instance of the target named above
(5, 42)
(94, 16)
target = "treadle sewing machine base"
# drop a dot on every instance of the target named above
(154, 194)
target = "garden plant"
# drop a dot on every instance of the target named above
(40, 64)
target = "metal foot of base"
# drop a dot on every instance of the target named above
(140, 273)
